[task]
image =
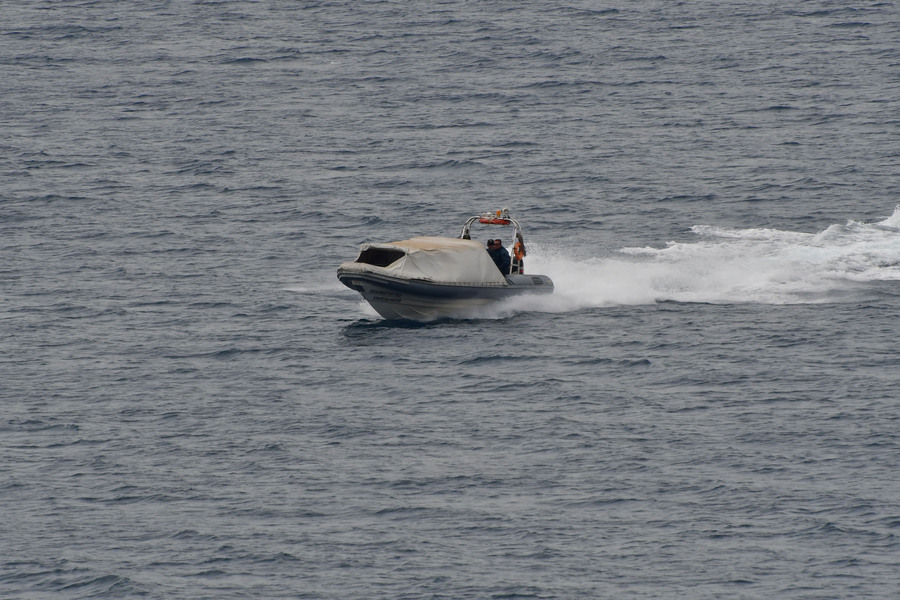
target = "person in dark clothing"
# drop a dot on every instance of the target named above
(499, 254)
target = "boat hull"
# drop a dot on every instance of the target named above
(420, 300)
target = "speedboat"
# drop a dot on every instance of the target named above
(428, 277)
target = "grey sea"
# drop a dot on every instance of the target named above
(193, 406)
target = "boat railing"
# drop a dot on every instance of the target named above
(500, 217)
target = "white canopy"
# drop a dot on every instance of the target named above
(439, 260)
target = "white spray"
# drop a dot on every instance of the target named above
(724, 266)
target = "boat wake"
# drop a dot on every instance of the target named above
(724, 266)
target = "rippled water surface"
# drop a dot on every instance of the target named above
(194, 407)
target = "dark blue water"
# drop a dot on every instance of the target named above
(194, 407)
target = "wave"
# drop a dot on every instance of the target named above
(725, 266)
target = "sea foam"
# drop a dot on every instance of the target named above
(724, 266)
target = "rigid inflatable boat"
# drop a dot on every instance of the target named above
(426, 278)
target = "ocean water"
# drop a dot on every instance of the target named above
(194, 407)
